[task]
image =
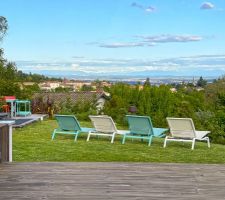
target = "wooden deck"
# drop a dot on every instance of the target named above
(111, 181)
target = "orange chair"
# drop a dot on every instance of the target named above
(5, 108)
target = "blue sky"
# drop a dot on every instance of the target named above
(116, 37)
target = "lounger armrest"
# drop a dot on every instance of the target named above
(122, 132)
(86, 130)
(159, 132)
(201, 134)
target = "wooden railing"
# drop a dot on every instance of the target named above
(4, 143)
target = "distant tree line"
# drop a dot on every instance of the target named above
(37, 78)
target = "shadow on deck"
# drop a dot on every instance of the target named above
(22, 121)
(98, 181)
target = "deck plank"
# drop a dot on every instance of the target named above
(64, 180)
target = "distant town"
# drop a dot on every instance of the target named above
(93, 85)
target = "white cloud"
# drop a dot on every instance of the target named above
(134, 4)
(121, 45)
(152, 41)
(166, 38)
(129, 67)
(148, 9)
(207, 6)
(35, 66)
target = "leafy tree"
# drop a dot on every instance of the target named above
(29, 90)
(8, 88)
(201, 82)
(86, 88)
(61, 89)
(147, 82)
(3, 26)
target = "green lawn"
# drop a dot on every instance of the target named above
(33, 143)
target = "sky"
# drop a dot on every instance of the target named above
(95, 38)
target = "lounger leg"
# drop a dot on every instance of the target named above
(193, 144)
(164, 145)
(208, 142)
(113, 136)
(53, 135)
(150, 141)
(88, 137)
(75, 139)
(124, 137)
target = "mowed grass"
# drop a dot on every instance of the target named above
(33, 143)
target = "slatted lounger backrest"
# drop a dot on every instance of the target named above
(181, 127)
(68, 122)
(103, 124)
(140, 125)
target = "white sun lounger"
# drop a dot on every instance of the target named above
(104, 126)
(183, 129)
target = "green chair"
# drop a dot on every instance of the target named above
(141, 128)
(68, 124)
